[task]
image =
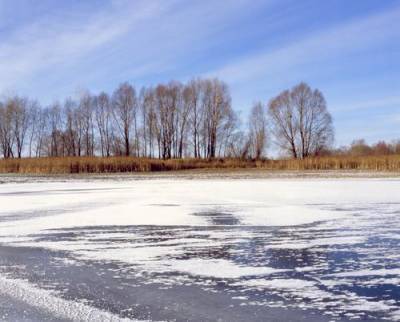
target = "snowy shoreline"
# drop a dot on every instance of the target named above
(202, 174)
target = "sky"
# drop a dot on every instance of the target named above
(349, 50)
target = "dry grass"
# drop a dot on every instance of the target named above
(111, 165)
(66, 165)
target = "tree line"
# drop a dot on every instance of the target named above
(360, 148)
(172, 120)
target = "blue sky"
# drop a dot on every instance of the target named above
(350, 50)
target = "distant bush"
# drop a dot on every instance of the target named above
(362, 148)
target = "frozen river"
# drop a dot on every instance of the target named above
(200, 249)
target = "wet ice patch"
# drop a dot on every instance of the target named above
(219, 218)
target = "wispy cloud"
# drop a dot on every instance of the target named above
(320, 46)
(382, 126)
(132, 37)
(49, 41)
(390, 102)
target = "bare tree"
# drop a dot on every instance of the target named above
(6, 130)
(40, 131)
(184, 111)
(55, 127)
(167, 97)
(150, 124)
(257, 130)
(104, 122)
(301, 122)
(124, 111)
(193, 96)
(34, 117)
(283, 123)
(217, 102)
(239, 146)
(18, 109)
(86, 115)
(314, 120)
(142, 110)
(70, 134)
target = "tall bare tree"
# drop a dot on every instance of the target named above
(257, 130)
(217, 102)
(86, 115)
(124, 107)
(70, 133)
(166, 96)
(300, 120)
(55, 127)
(150, 122)
(6, 130)
(104, 122)
(35, 118)
(193, 96)
(40, 131)
(18, 117)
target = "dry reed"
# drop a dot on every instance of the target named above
(68, 165)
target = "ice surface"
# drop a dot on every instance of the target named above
(50, 302)
(307, 241)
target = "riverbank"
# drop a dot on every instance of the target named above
(201, 174)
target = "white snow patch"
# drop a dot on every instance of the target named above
(291, 284)
(218, 268)
(283, 215)
(319, 242)
(47, 301)
(368, 272)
